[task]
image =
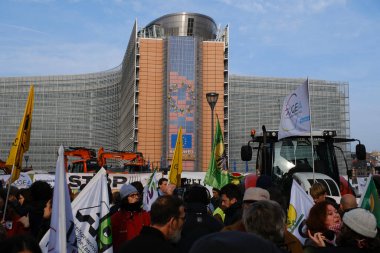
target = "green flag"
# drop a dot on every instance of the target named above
(370, 200)
(216, 176)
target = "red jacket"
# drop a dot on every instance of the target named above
(126, 225)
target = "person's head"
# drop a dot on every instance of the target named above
(162, 184)
(232, 241)
(20, 244)
(348, 202)
(130, 198)
(215, 193)
(197, 194)
(254, 194)
(48, 209)
(41, 191)
(230, 194)
(266, 219)
(322, 217)
(264, 182)
(318, 192)
(24, 196)
(359, 229)
(139, 186)
(167, 214)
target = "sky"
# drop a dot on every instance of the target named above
(334, 40)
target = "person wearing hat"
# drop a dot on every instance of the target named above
(128, 221)
(251, 195)
(358, 234)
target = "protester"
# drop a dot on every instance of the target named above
(167, 217)
(215, 200)
(46, 217)
(231, 203)
(20, 244)
(41, 192)
(128, 221)
(358, 234)
(24, 198)
(233, 242)
(199, 221)
(266, 218)
(347, 203)
(162, 185)
(318, 192)
(323, 219)
(251, 195)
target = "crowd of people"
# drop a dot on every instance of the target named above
(230, 219)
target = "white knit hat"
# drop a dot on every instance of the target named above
(361, 221)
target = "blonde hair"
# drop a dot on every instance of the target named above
(317, 190)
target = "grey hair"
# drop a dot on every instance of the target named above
(267, 219)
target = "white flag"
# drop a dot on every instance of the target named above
(150, 192)
(91, 216)
(61, 236)
(295, 113)
(299, 207)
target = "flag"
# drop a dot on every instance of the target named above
(62, 233)
(295, 113)
(215, 175)
(91, 217)
(150, 193)
(299, 207)
(370, 199)
(176, 166)
(21, 143)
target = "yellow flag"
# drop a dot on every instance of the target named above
(21, 142)
(176, 167)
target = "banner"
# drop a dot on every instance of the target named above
(21, 143)
(150, 192)
(176, 166)
(24, 180)
(216, 175)
(370, 199)
(91, 217)
(61, 235)
(295, 113)
(299, 207)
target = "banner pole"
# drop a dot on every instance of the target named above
(9, 189)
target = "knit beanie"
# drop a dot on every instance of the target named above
(126, 190)
(361, 221)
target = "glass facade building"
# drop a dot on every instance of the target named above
(161, 84)
(257, 101)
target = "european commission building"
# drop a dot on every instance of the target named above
(168, 68)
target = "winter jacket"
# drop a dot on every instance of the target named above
(126, 225)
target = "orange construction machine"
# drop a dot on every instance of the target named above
(87, 162)
(132, 161)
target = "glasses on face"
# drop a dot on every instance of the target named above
(134, 195)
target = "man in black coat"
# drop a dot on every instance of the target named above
(167, 218)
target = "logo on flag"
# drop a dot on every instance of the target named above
(295, 113)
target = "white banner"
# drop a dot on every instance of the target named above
(76, 180)
(295, 113)
(91, 217)
(24, 181)
(150, 192)
(61, 237)
(299, 207)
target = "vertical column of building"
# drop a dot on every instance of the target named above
(150, 103)
(213, 81)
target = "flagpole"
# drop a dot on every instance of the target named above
(9, 189)
(311, 131)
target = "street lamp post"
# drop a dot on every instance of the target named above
(212, 98)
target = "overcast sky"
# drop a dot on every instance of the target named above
(335, 40)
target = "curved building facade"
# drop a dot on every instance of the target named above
(161, 85)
